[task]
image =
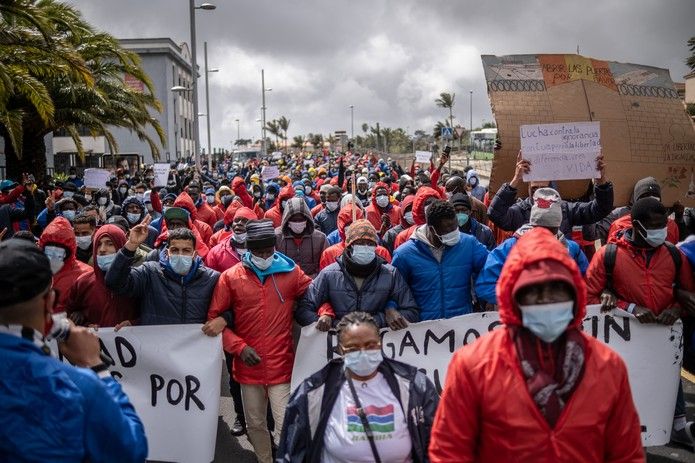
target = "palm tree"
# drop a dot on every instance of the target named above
(388, 136)
(274, 129)
(317, 141)
(298, 141)
(243, 142)
(56, 72)
(284, 124)
(376, 131)
(437, 131)
(446, 100)
(365, 127)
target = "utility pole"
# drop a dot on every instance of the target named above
(470, 147)
(207, 104)
(352, 122)
(263, 150)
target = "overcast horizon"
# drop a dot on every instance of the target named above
(390, 59)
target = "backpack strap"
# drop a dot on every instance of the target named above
(609, 258)
(677, 262)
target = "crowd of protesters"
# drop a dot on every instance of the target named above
(354, 243)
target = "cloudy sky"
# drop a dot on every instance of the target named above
(390, 59)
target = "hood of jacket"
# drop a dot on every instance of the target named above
(117, 236)
(281, 264)
(285, 194)
(423, 194)
(297, 206)
(238, 186)
(132, 200)
(388, 192)
(231, 211)
(60, 232)
(185, 201)
(345, 219)
(404, 205)
(535, 246)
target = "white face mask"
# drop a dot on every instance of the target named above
(408, 216)
(211, 199)
(56, 257)
(140, 196)
(654, 238)
(240, 237)
(260, 263)
(382, 201)
(133, 218)
(331, 206)
(547, 321)
(363, 254)
(83, 242)
(451, 238)
(297, 227)
(104, 262)
(68, 194)
(103, 201)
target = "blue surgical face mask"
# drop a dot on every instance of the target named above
(654, 238)
(462, 217)
(70, 215)
(180, 264)
(104, 262)
(363, 362)
(133, 218)
(547, 321)
(363, 254)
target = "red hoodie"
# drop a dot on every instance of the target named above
(374, 212)
(228, 218)
(201, 248)
(185, 201)
(275, 212)
(486, 412)
(423, 194)
(239, 189)
(59, 233)
(89, 294)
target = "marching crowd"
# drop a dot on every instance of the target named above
(352, 243)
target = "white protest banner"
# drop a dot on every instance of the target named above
(161, 174)
(564, 151)
(423, 156)
(96, 178)
(651, 352)
(171, 374)
(269, 173)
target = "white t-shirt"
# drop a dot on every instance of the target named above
(345, 439)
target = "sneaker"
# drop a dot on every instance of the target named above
(238, 428)
(684, 436)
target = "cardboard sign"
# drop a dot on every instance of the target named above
(565, 151)
(96, 178)
(652, 354)
(423, 156)
(171, 374)
(161, 174)
(269, 173)
(644, 129)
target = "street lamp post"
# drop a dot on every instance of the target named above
(207, 103)
(263, 108)
(237, 128)
(470, 147)
(352, 122)
(194, 72)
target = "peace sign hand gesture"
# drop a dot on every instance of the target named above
(138, 234)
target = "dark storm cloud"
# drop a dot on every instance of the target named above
(389, 59)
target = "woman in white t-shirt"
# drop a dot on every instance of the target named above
(361, 408)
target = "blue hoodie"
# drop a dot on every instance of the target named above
(281, 264)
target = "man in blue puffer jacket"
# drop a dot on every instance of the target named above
(49, 410)
(546, 212)
(438, 263)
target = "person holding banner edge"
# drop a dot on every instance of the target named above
(527, 391)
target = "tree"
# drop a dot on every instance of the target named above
(284, 124)
(243, 142)
(691, 59)
(437, 131)
(489, 125)
(446, 100)
(316, 140)
(298, 141)
(274, 129)
(365, 127)
(57, 72)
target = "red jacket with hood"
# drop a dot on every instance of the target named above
(275, 212)
(487, 414)
(423, 194)
(263, 314)
(201, 248)
(331, 253)
(638, 277)
(239, 189)
(206, 214)
(228, 218)
(374, 212)
(185, 201)
(90, 295)
(59, 233)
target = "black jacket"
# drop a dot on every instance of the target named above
(311, 404)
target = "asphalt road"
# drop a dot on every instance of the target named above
(231, 449)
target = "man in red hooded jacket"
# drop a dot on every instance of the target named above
(204, 212)
(527, 391)
(184, 201)
(89, 301)
(275, 212)
(423, 198)
(58, 243)
(382, 213)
